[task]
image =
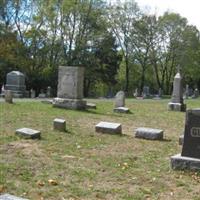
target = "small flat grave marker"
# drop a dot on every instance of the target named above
(121, 110)
(59, 124)
(108, 127)
(10, 197)
(91, 105)
(28, 133)
(149, 133)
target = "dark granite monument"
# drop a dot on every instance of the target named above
(190, 156)
(15, 81)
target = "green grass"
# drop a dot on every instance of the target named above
(89, 165)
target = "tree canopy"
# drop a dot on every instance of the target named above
(120, 46)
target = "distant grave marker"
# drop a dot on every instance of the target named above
(177, 103)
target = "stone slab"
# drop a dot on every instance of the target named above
(149, 133)
(176, 107)
(76, 104)
(181, 139)
(108, 127)
(121, 110)
(28, 133)
(10, 197)
(59, 124)
(179, 162)
(46, 101)
(91, 105)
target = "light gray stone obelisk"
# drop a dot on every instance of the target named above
(177, 103)
(70, 88)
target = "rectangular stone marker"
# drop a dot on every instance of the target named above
(10, 197)
(59, 124)
(149, 133)
(70, 82)
(91, 105)
(70, 88)
(28, 133)
(108, 127)
(121, 110)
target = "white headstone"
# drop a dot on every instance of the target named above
(120, 99)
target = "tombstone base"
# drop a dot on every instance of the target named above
(91, 105)
(179, 162)
(177, 107)
(121, 110)
(75, 104)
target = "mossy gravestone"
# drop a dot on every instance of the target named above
(190, 156)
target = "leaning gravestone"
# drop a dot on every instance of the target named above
(70, 88)
(196, 93)
(177, 103)
(10, 197)
(15, 81)
(8, 96)
(190, 156)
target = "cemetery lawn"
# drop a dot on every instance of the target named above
(81, 164)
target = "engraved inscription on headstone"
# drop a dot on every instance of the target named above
(191, 145)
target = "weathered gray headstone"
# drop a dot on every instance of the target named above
(28, 133)
(33, 93)
(108, 127)
(149, 133)
(145, 92)
(177, 103)
(160, 92)
(120, 99)
(121, 110)
(15, 81)
(8, 96)
(48, 92)
(196, 93)
(10, 197)
(42, 94)
(70, 88)
(187, 91)
(190, 156)
(59, 124)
